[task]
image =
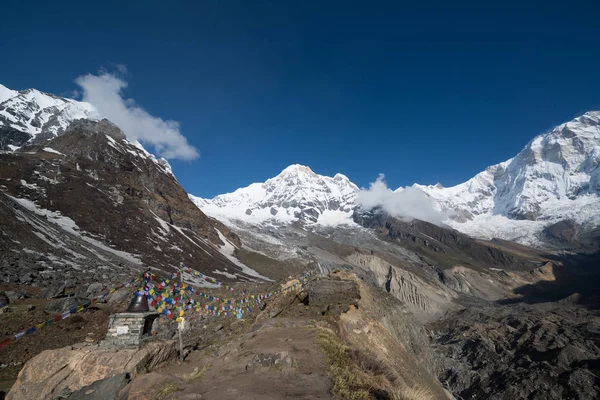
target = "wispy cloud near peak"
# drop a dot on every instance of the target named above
(105, 91)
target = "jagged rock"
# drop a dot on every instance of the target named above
(89, 127)
(104, 389)
(120, 296)
(54, 372)
(275, 312)
(53, 292)
(539, 351)
(26, 278)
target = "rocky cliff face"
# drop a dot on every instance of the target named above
(554, 178)
(444, 247)
(91, 204)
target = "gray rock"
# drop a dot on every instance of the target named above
(332, 297)
(94, 289)
(504, 352)
(104, 389)
(53, 292)
(63, 305)
(21, 294)
(120, 296)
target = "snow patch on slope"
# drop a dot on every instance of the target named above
(6, 93)
(228, 249)
(68, 225)
(51, 150)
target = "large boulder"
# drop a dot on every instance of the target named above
(94, 289)
(19, 294)
(120, 296)
(52, 292)
(57, 372)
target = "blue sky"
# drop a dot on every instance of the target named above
(424, 93)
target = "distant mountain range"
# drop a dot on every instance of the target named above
(82, 204)
(548, 195)
(555, 179)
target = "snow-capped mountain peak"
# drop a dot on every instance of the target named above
(296, 194)
(6, 93)
(555, 177)
(39, 115)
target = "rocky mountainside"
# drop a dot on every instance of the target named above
(88, 204)
(522, 351)
(79, 203)
(29, 116)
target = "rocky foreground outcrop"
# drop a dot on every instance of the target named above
(89, 205)
(58, 373)
(337, 338)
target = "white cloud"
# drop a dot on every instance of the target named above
(406, 203)
(105, 92)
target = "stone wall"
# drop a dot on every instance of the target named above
(128, 329)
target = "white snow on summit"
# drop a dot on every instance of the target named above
(34, 112)
(555, 177)
(46, 115)
(297, 193)
(6, 93)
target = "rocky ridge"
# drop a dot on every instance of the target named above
(47, 194)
